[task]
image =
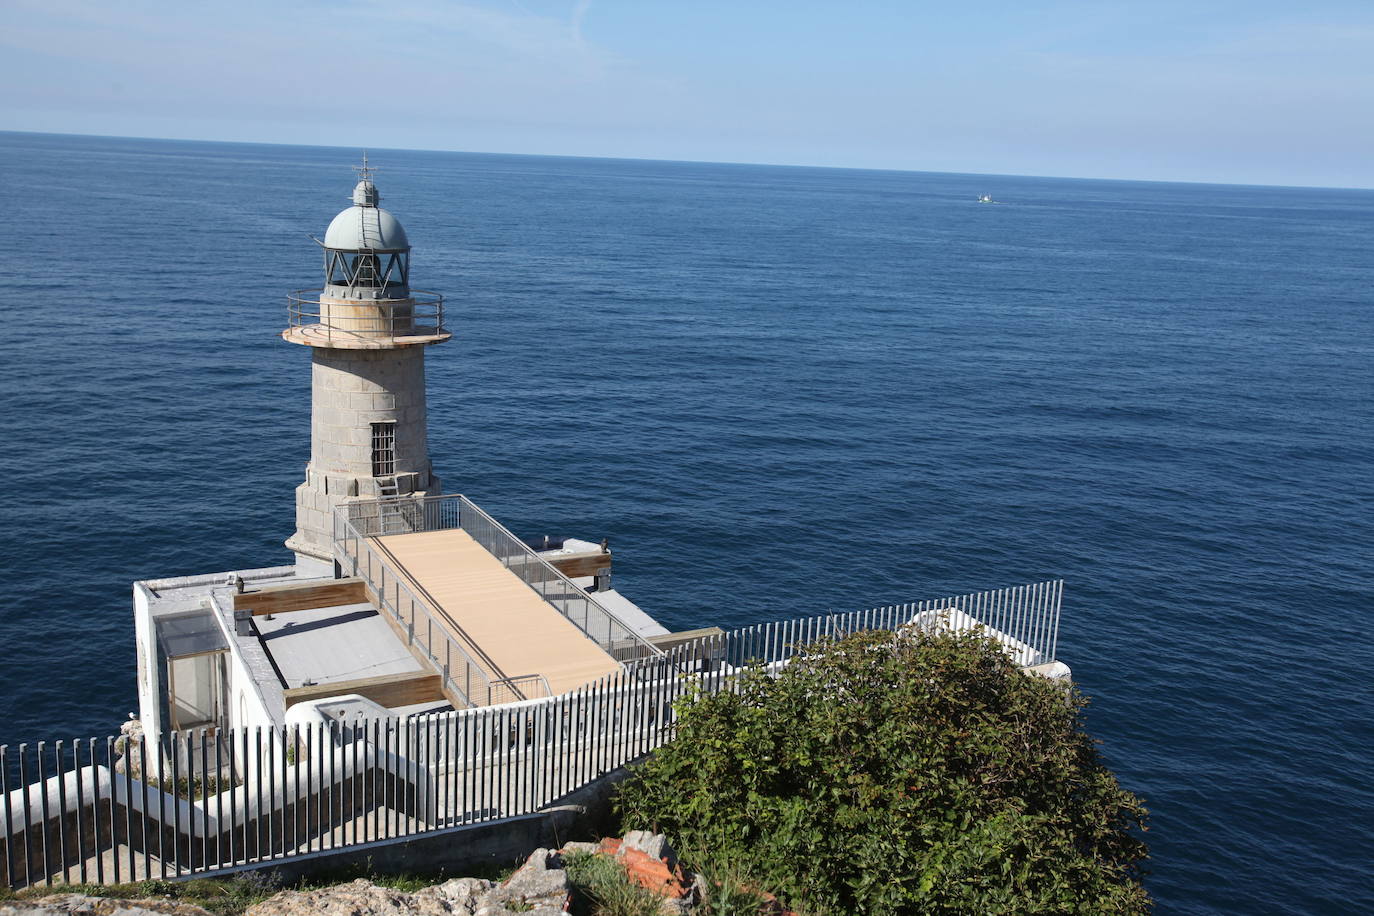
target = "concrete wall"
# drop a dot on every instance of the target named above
(150, 674)
(248, 707)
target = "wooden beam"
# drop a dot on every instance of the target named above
(389, 690)
(577, 565)
(301, 596)
(667, 641)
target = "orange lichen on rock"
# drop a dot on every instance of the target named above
(662, 876)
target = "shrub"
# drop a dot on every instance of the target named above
(880, 775)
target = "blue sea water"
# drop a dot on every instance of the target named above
(777, 391)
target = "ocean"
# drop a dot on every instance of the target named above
(777, 391)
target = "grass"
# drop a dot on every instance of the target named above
(729, 891)
(222, 896)
(601, 888)
(729, 895)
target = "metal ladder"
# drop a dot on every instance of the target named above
(397, 517)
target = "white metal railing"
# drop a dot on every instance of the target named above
(72, 811)
(1023, 619)
(420, 314)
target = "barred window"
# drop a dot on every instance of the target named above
(383, 449)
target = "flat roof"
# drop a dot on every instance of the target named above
(187, 635)
(331, 644)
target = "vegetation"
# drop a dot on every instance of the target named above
(601, 888)
(729, 895)
(198, 789)
(898, 776)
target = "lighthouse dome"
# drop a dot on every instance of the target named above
(366, 227)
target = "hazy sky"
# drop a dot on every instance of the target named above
(1204, 90)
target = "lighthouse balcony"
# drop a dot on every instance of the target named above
(319, 319)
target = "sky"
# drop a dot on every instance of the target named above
(1252, 92)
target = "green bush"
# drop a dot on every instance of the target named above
(892, 776)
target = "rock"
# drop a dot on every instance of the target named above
(540, 882)
(502, 900)
(82, 905)
(461, 894)
(127, 745)
(653, 845)
(497, 901)
(574, 848)
(363, 898)
(539, 887)
(676, 906)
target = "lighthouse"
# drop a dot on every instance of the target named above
(367, 330)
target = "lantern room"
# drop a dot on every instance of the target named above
(366, 302)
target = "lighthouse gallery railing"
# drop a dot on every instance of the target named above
(419, 314)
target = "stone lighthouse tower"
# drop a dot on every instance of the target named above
(367, 331)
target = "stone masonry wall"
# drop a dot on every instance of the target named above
(351, 390)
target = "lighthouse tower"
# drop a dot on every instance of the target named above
(367, 331)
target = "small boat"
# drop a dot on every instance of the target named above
(986, 199)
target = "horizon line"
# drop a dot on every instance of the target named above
(781, 165)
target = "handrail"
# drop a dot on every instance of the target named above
(390, 561)
(435, 513)
(419, 314)
(521, 688)
(477, 687)
(628, 634)
(1023, 620)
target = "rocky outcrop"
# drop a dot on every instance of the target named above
(363, 898)
(541, 883)
(539, 887)
(83, 905)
